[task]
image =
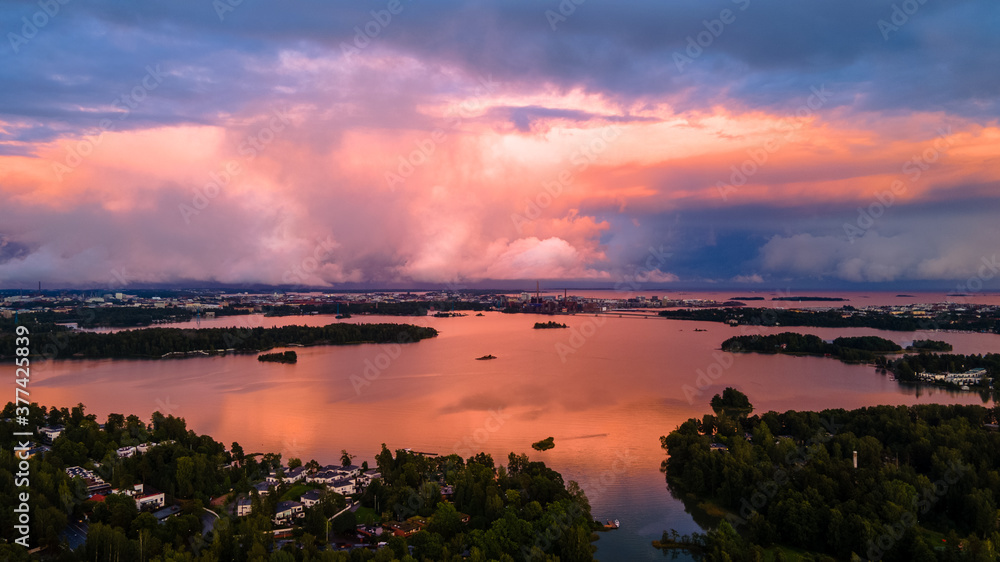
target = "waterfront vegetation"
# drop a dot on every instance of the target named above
(926, 486)
(549, 325)
(907, 368)
(847, 349)
(119, 316)
(544, 444)
(808, 299)
(465, 509)
(929, 345)
(159, 342)
(280, 357)
(844, 317)
(346, 309)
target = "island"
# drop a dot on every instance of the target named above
(157, 343)
(544, 444)
(808, 299)
(746, 298)
(953, 316)
(836, 483)
(281, 357)
(929, 345)
(157, 490)
(848, 349)
(486, 357)
(959, 372)
(549, 325)
(72, 312)
(943, 369)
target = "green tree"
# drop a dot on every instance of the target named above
(345, 458)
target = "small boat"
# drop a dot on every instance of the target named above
(485, 357)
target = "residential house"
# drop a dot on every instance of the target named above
(50, 433)
(125, 452)
(311, 498)
(295, 474)
(243, 507)
(287, 510)
(404, 528)
(152, 500)
(343, 486)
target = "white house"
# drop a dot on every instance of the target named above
(295, 474)
(125, 452)
(50, 433)
(243, 507)
(342, 486)
(324, 477)
(287, 510)
(310, 498)
(149, 501)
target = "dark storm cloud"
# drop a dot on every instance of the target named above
(92, 53)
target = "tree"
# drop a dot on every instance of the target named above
(345, 458)
(446, 521)
(294, 462)
(185, 477)
(732, 402)
(114, 423)
(237, 451)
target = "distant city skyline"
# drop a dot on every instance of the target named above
(734, 145)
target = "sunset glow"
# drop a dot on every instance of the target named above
(224, 151)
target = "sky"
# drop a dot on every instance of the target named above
(724, 143)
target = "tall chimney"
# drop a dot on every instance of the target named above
(855, 459)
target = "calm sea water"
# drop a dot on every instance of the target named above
(606, 389)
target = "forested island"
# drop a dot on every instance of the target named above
(152, 343)
(549, 325)
(281, 357)
(926, 486)
(123, 316)
(544, 444)
(808, 299)
(846, 317)
(909, 367)
(346, 309)
(448, 507)
(929, 345)
(920, 367)
(847, 349)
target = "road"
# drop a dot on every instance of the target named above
(76, 533)
(208, 520)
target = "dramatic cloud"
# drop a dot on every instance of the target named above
(734, 141)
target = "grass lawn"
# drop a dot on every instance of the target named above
(297, 490)
(367, 516)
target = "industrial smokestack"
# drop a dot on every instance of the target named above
(855, 459)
